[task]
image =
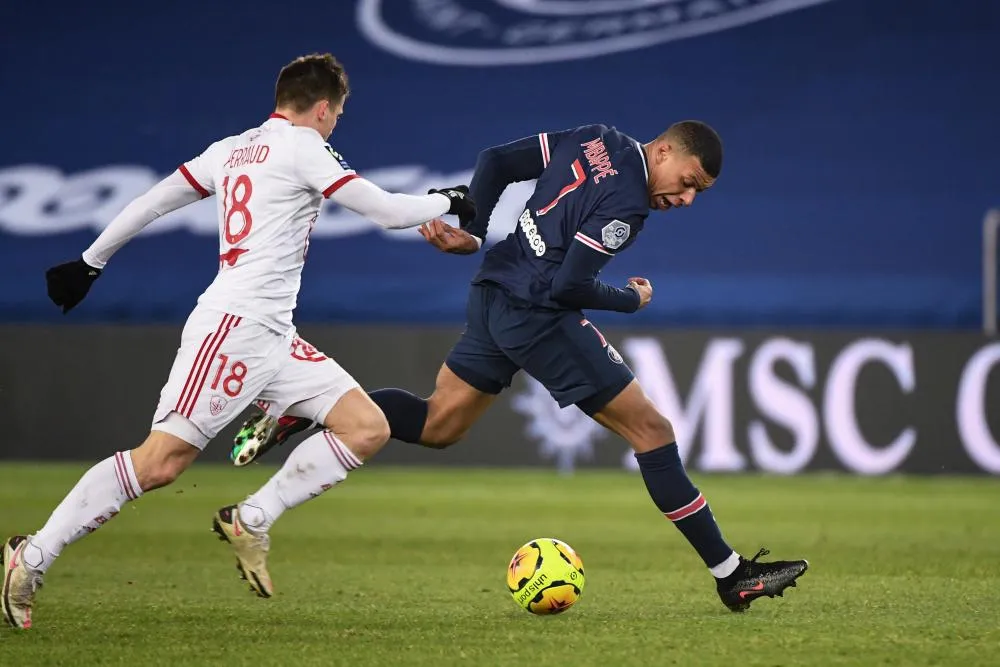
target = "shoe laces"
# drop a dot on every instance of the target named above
(259, 540)
(763, 552)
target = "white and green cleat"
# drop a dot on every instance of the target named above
(260, 433)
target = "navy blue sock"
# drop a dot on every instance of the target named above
(405, 413)
(682, 503)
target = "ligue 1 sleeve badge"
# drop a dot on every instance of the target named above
(615, 234)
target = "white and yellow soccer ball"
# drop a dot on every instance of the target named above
(545, 576)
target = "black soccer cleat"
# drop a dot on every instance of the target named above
(753, 580)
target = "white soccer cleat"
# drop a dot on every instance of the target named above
(251, 550)
(19, 584)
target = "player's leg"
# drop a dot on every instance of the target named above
(451, 410)
(574, 361)
(215, 374)
(633, 416)
(437, 422)
(95, 499)
(475, 371)
(354, 429)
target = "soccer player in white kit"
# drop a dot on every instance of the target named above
(239, 344)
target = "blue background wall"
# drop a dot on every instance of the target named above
(862, 151)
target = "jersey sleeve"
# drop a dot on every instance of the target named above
(168, 195)
(608, 233)
(576, 283)
(198, 172)
(322, 168)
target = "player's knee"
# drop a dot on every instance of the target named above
(369, 434)
(652, 430)
(440, 439)
(441, 435)
(442, 429)
(162, 473)
(157, 466)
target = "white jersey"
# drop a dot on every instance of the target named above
(269, 183)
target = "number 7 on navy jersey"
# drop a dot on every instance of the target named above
(579, 176)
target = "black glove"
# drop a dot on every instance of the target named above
(70, 282)
(461, 204)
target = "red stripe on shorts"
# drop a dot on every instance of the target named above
(182, 399)
(210, 358)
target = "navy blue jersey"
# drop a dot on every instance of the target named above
(590, 202)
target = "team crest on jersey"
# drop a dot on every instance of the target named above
(613, 355)
(216, 405)
(615, 234)
(338, 157)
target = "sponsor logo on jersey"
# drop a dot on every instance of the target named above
(530, 230)
(338, 157)
(526, 32)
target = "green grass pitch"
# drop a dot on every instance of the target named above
(406, 567)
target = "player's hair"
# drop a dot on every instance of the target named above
(700, 140)
(309, 79)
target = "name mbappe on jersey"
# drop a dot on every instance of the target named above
(593, 190)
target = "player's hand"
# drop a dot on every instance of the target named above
(68, 283)
(461, 204)
(449, 239)
(644, 288)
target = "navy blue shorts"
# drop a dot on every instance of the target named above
(559, 348)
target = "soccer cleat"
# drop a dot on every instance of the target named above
(19, 583)
(260, 433)
(251, 550)
(753, 580)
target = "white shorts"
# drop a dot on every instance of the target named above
(225, 363)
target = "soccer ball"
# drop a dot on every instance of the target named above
(545, 576)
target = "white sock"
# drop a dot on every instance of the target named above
(96, 498)
(726, 567)
(320, 462)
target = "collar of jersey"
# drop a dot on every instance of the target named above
(642, 156)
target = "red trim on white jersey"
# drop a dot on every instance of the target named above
(339, 183)
(590, 243)
(543, 140)
(194, 183)
(202, 363)
(278, 115)
(689, 509)
(580, 176)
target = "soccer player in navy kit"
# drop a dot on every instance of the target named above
(595, 187)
